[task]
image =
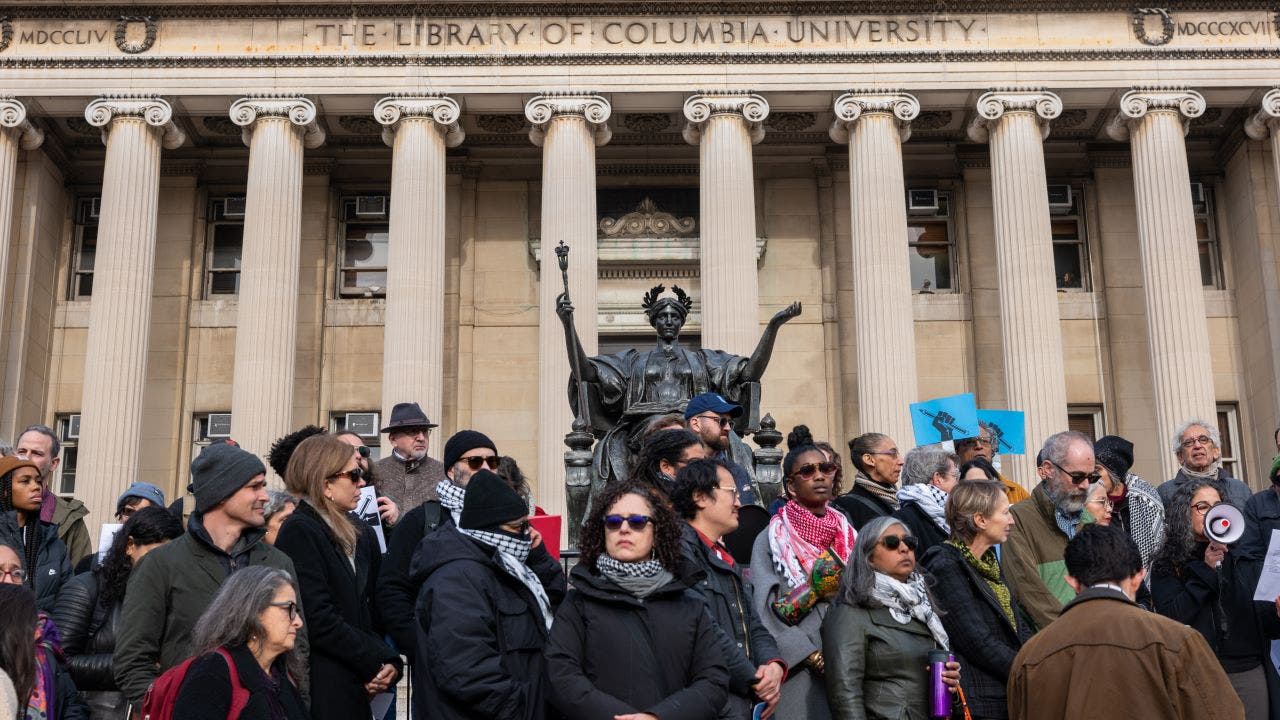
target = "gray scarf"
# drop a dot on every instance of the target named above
(1210, 473)
(641, 579)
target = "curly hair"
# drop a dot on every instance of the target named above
(666, 529)
(148, 526)
(282, 449)
(1180, 541)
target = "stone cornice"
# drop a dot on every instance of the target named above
(699, 107)
(153, 111)
(298, 110)
(1260, 125)
(592, 108)
(993, 105)
(1137, 103)
(852, 105)
(445, 111)
(13, 116)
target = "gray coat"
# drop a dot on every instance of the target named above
(876, 666)
(804, 696)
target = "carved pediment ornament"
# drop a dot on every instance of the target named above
(443, 111)
(790, 121)
(647, 123)
(501, 124)
(154, 111)
(6, 32)
(1137, 103)
(993, 105)
(852, 105)
(297, 110)
(699, 108)
(1140, 16)
(593, 108)
(133, 47)
(648, 221)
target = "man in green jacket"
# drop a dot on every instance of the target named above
(40, 445)
(1032, 557)
(171, 587)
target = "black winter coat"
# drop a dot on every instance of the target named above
(611, 653)
(347, 649)
(88, 634)
(53, 566)
(397, 591)
(206, 690)
(983, 640)
(481, 631)
(921, 526)
(861, 506)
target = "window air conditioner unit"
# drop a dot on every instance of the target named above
(371, 206)
(73, 427)
(219, 426)
(1197, 193)
(1061, 199)
(95, 207)
(922, 202)
(364, 424)
(233, 208)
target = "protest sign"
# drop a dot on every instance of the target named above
(1008, 430)
(106, 536)
(367, 509)
(944, 419)
(549, 527)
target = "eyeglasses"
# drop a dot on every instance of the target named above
(475, 461)
(17, 574)
(355, 475)
(1201, 507)
(364, 451)
(637, 523)
(1202, 440)
(891, 542)
(1078, 477)
(979, 441)
(809, 470)
(733, 490)
(1105, 503)
(289, 606)
(724, 421)
(890, 453)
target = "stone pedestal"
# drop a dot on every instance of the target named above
(724, 126)
(115, 363)
(418, 129)
(874, 125)
(16, 134)
(568, 127)
(276, 129)
(1016, 124)
(1154, 120)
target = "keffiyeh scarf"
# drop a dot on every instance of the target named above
(931, 500)
(884, 493)
(797, 537)
(638, 578)
(513, 553)
(451, 497)
(988, 568)
(908, 600)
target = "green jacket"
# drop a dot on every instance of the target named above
(168, 591)
(69, 515)
(876, 666)
(1032, 559)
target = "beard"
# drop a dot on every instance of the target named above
(1068, 500)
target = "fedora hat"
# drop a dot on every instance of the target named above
(407, 415)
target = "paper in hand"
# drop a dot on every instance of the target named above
(1269, 583)
(367, 509)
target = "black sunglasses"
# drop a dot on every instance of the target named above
(355, 475)
(891, 542)
(475, 461)
(364, 451)
(809, 470)
(635, 522)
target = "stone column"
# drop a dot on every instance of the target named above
(115, 359)
(568, 127)
(1266, 124)
(276, 128)
(418, 129)
(1016, 122)
(724, 125)
(16, 134)
(1155, 121)
(874, 125)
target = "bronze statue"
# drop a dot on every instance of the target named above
(626, 389)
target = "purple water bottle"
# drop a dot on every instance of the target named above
(939, 696)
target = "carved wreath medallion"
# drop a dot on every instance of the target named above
(133, 47)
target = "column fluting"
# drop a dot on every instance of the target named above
(16, 134)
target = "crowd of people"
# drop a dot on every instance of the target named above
(930, 585)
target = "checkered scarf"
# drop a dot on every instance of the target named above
(643, 568)
(513, 553)
(451, 497)
(797, 537)
(930, 499)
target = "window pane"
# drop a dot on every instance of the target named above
(1083, 423)
(228, 245)
(360, 280)
(84, 285)
(1224, 429)
(88, 248)
(930, 257)
(69, 455)
(366, 247)
(1068, 266)
(224, 283)
(1207, 274)
(1065, 230)
(1202, 228)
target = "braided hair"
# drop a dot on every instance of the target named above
(31, 525)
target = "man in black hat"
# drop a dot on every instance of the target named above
(488, 598)
(408, 477)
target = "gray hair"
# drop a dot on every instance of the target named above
(6, 449)
(55, 445)
(858, 581)
(232, 618)
(922, 463)
(277, 500)
(1056, 447)
(1209, 429)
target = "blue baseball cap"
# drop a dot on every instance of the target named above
(143, 490)
(711, 402)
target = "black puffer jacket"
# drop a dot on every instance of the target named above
(611, 653)
(88, 632)
(480, 631)
(53, 566)
(397, 590)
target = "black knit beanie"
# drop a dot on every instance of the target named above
(462, 441)
(1115, 454)
(219, 471)
(489, 502)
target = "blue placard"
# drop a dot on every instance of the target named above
(1008, 430)
(943, 419)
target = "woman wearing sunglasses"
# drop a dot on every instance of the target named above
(878, 635)
(250, 628)
(337, 561)
(795, 567)
(631, 641)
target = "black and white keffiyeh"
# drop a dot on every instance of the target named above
(930, 499)
(638, 578)
(451, 497)
(513, 553)
(907, 601)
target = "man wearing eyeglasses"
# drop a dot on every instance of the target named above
(1197, 445)
(983, 446)
(407, 476)
(710, 417)
(1044, 523)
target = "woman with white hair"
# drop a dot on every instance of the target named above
(928, 474)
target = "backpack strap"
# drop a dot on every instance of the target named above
(239, 693)
(432, 515)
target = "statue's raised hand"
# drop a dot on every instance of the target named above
(786, 313)
(564, 308)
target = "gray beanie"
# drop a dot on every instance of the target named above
(219, 471)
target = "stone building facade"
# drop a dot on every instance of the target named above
(233, 219)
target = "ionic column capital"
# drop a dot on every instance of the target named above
(298, 110)
(592, 108)
(13, 116)
(1137, 103)
(445, 111)
(699, 108)
(1263, 123)
(153, 111)
(997, 103)
(851, 106)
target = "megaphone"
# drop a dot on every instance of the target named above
(1224, 523)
